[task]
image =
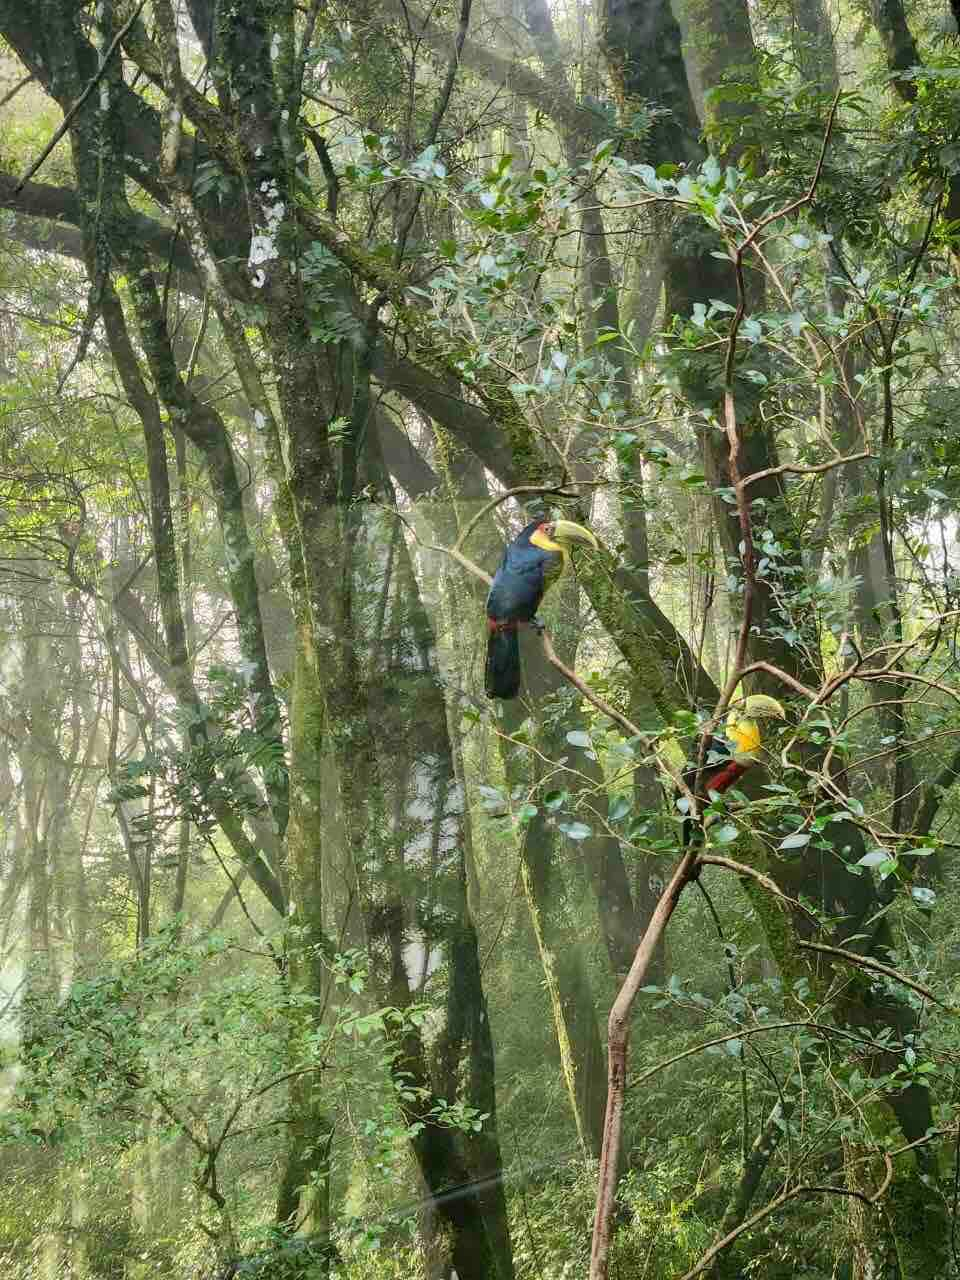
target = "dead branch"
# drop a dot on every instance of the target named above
(618, 1035)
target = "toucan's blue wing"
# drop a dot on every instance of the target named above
(519, 584)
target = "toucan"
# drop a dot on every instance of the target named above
(727, 759)
(532, 562)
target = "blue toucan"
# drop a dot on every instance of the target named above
(533, 560)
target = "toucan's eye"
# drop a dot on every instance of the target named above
(550, 529)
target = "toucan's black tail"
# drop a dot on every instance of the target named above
(502, 674)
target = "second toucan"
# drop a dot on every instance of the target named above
(727, 759)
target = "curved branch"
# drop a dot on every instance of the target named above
(782, 1199)
(874, 966)
(743, 1032)
(742, 869)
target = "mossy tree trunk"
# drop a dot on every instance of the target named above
(303, 1198)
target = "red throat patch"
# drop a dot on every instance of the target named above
(726, 777)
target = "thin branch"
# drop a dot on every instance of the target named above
(12, 93)
(618, 1036)
(814, 181)
(13, 995)
(545, 95)
(516, 492)
(443, 100)
(305, 43)
(742, 869)
(865, 962)
(329, 173)
(743, 1032)
(235, 886)
(779, 674)
(94, 81)
(626, 725)
(790, 468)
(439, 111)
(776, 1204)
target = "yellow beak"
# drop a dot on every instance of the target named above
(758, 705)
(567, 531)
(742, 727)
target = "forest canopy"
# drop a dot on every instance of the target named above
(479, 686)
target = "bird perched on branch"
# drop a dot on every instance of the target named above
(727, 759)
(531, 563)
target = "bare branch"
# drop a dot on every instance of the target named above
(546, 96)
(516, 492)
(743, 869)
(790, 468)
(626, 725)
(745, 1032)
(12, 93)
(781, 675)
(782, 1199)
(865, 962)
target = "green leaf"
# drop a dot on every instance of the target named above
(795, 321)
(577, 738)
(874, 858)
(796, 841)
(725, 835)
(619, 808)
(575, 830)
